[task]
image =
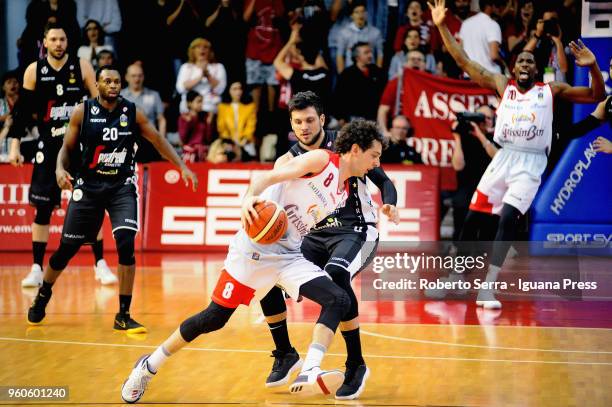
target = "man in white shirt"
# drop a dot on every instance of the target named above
(481, 36)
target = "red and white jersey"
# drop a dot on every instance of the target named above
(307, 201)
(524, 120)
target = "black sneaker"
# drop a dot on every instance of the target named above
(354, 382)
(123, 322)
(36, 313)
(285, 363)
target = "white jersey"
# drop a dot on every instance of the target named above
(524, 120)
(307, 201)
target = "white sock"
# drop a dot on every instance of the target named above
(314, 357)
(492, 274)
(157, 359)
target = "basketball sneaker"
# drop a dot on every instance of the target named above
(36, 313)
(316, 381)
(285, 363)
(354, 382)
(136, 384)
(123, 322)
(487, 300)
(104, 273)
(34, 278)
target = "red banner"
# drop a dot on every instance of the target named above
(16, 214)
(179, 220)
(430, 101)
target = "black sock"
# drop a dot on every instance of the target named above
(38, 252)
(45, 289)
(280, 335)
(124, 303)
(98, 250)
(353, 347)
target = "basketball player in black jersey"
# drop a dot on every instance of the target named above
(336, 245)
(52, 87)
(107, 127)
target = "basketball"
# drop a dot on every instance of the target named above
(271, 224)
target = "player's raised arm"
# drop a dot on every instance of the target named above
(582, 94)
(164, 148)
(89, 77)
(477, 72)
(308, 163)
(71, 139)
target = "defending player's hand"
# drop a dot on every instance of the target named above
(63, 178)
(583, 55)
(391, 212)
(16, 159)
(187, 175)
(602, 145)
(248, 212)
(438, 11)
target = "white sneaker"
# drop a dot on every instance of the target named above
(487, 300)
(35, 278)
(136, 384)
(104, 273)
(317, 381)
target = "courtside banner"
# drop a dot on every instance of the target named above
(177, 219)
(430, 102)
(16, 214)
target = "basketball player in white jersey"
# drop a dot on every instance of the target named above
(309, 187)
(523, 130)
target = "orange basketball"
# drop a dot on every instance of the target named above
(271, 224)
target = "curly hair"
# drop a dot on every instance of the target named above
(360, 132)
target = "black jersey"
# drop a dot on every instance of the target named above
(359, 209)
(56, 96)
(608, 110)
(108, 139)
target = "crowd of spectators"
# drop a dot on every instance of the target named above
(223, 70)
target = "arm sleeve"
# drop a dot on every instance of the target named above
(22, 114)
(387, 189)
(581, 128)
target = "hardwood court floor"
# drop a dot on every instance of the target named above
(444, 353)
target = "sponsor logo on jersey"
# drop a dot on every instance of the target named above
(528, 134)
(317, 192)
(47, 78)
(94, 110)
(40, 157)
(97, 120)
(72, 78)
(293, 214)
(44, 70)
(315, 212)
(523, 118)
(59, 131)
(123, 120)
(112, 159)
(331, 222)
(62, 112)
(77, 195)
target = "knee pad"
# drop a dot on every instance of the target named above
(273, 303)
(59, 260)
(342, 278)
(211, 319)
(124, 239)
(43, 214)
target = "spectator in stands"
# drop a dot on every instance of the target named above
(93, 42)
(414, 13)
(472, 153)
(106, 12)
(359, 87)
(38, 14)
(227, 32)
(193, 130)
(391, 100)
(308, 72)
(263, 43)
(237, 120)
(518, 31)
(150, 103)
(358, 31)
(481, 36)
(312, 15)
(105, 57)
(412, 42)
(398, 151)
(224, 150)
(10, 94)
(548, 48)
(459, 11)
(202, 74)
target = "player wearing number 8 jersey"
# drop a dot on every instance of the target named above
(309, 188)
